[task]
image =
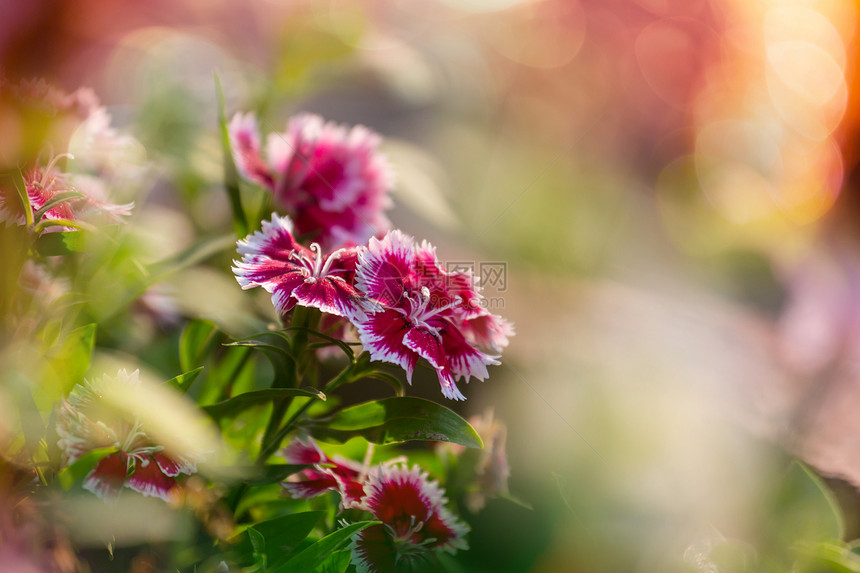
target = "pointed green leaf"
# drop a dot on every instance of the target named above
(316, 554)
(336, 562)
(231, 175)
(57, 199)
(61, 243)
(184, 381)
(273, 473)
(194, 344)
(236, 404)
(282, 534)
(396, 420)
(23, 196)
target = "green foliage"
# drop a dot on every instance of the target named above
(274, 539)
(184, 381)
(61, 243)
(76, 472)
(315, 557)
(197, 340)
(396, 420)
(233, 406)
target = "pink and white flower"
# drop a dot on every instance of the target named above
(423, 312)
(85, 423)
(332, 179)
(415, 521)
(294, 274)
(328, 474)
(45, 184)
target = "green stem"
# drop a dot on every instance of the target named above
(268, 449)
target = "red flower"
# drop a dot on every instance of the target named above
(84, 424)
(424, 312)
(331, 179)
(272, 259)
(415, 521)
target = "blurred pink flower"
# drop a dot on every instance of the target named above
(85, 423)
(331, 179)
(415, 521)
(272, 259)
(45, 185)
(423, 315)
(328, 474)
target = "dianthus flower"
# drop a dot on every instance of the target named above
(331, 179)
(328, 474)
(85, 423)
(294, 274)
(45, 184)
(423, 313)
(415, 522)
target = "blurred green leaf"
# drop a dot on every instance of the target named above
(72, 359)
(184, 381)
(231, 175)
(274, 473)
(241, 402)
(315, 555)
(23, 196)
(61, 243)
(78, 470)
(281, 535)
(396, 420)
(806, 508)
(827, 557)
(194, 254)
(57, 199)
(197, 339)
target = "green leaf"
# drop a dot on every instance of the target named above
(281, 535)
(71, 360)
(76, 471)
(23, 196)
(195, 254)
(396, 420)
(337, 562)
(196, 340)
(231, 175)
(274, 473)
(806, 509)
(184, 381)
(315, 555)
(236, 404)
(393, 381)
(57, 199)
(61, 243)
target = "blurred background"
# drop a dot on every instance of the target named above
(660, 194)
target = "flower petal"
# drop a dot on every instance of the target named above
(382, 336)
(428, 346)
(173, 467)
(149, 480)
(245, 141)
(106, 479)
(384, 267)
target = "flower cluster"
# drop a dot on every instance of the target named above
(411, 507)
(101, 155)
(404, 304)
(44, 188)
(330, 178)
(85, 423)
